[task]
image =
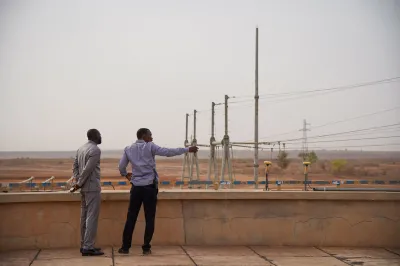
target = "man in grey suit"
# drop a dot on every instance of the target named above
(87, 173)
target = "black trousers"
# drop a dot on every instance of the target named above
(148, 196)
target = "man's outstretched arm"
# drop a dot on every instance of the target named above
(166, 152)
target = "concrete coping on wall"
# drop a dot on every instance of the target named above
(193, 194)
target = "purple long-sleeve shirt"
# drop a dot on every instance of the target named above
(141, 155)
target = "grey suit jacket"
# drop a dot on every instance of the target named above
(87, 167)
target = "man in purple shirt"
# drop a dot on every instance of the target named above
(144, 179)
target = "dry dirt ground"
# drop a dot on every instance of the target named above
(16, 170)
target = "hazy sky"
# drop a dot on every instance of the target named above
(67, 66)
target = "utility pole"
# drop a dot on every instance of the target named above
(226, 161)
(256, 97)
(186, 164)
(194, 155)
(212, 160)
(304, 146)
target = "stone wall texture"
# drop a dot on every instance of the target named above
(51, 220)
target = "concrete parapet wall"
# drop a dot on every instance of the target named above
(194, 217)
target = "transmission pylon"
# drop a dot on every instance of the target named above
(304, 146)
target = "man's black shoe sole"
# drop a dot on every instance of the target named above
(97, 249)
(92, 254)
(121, 251)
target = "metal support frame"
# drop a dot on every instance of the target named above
(70, 182)
(256, 97)
(212, 162)
(267, 165)
(226, 159)
(29, 180)
(195, 161)
(47, 181)
(186, 159)
(306, 164)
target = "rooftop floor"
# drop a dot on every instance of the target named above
(207, 255)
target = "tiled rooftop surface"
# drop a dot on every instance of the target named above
(209, 255)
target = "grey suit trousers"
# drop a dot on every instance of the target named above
(90, 209)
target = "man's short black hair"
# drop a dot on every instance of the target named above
(92, 134)
(141, 132)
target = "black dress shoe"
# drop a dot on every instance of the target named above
(97, 249)
(147, 252)
(123, 251)
(92, 252)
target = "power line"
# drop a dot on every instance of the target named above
(303, 94)
(339, 140)
(284, 98)
(307, 92)
(395, 79)
(357, 146)
(357, 117)
(339, 88)
(293, 131)
(336, 122)
(341, 133)
(206, 110)
(378, 131)
(347, 146)
(352, 134)
(375, 131)
(346, 87)
(357, 130)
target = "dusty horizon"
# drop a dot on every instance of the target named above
(204, 154)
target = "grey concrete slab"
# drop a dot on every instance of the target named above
(373, 262)
(374, 253)
(150, 260)
(217, 260)
(271, 252)
(20, 257)
(67, 253)
(307, 261)
(82, 261)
